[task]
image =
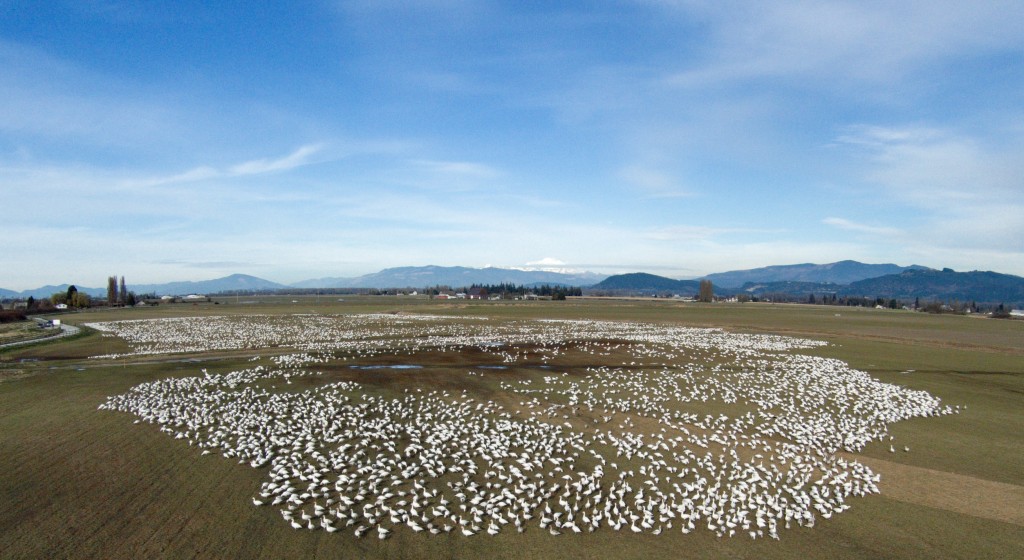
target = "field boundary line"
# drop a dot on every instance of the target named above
(977, 497)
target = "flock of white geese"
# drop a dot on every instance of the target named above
(669, 429)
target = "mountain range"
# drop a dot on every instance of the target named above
(842, 272)
(402, 277)
(454, 276)
(47, 291)
(235, 282)
(945, 285)
(843, 278)
(982, 287)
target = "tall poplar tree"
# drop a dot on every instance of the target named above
(111, 290)
(707, 291)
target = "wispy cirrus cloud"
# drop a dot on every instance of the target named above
(963, 193)
(862, 41)
(701, 233)
(297, 158)
(653, 182)
(47, 98)
(936, 168)
(445, 175)
(459, 169)
(849, 225)
(208, 264)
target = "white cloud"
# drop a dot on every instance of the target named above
(459, 169)
(208, 264)
(299, 157)
(445, 176)
(848, 225)
(964, 197)
(200, 173)
(653, 182)
(691, 233)
(938, 169)
(843, 40)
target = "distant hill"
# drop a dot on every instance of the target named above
(47, 291)
(643, 283)
(235, 282)
(944, 285)
(908, 284)
(842, 272)
(404, 277)
(242, 282)
(787, 287)
(454, 276)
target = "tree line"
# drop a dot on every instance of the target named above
(118, 295)
(927, 306)
(508, 290)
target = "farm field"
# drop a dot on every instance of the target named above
(81, 482)
(21, 332)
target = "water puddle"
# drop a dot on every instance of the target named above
(399, 366)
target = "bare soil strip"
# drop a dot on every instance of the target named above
(968, 495)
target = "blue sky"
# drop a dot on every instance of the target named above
(180, 141)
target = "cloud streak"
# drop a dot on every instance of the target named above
(300, 157)
(865, 41)
(848, 225)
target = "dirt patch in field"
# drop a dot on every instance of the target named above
(968, 495)
(12, 374)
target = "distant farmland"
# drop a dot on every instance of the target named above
(402, 428)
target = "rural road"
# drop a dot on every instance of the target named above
(65, 330)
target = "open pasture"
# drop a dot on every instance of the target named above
(481, 431)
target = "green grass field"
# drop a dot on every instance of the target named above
(76, 482)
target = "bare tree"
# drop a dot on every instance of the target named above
(122, 293)
(707, 291)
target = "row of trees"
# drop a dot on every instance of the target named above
(72, 298)
(508, 290)
(118, 295)
(932, 306)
